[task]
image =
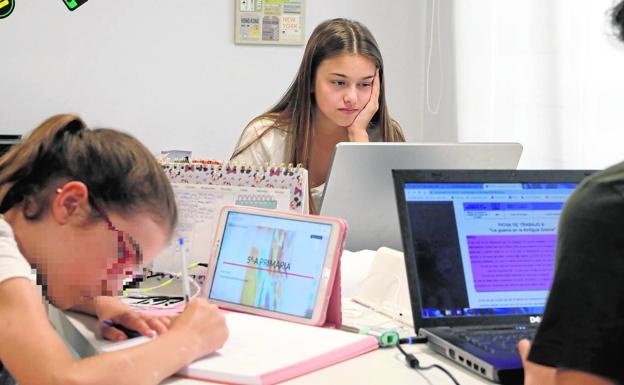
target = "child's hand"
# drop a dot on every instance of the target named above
(203, 326)
(357, 129)
(112, 309)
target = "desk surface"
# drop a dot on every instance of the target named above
(383, 366)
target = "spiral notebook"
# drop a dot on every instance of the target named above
(203, 187)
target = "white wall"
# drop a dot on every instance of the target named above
(543, 73)
(440, 95)
(173, 76)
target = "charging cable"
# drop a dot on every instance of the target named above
(413, 362)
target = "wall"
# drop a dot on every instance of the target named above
(174, 77)
(545, 74)
(439, 99)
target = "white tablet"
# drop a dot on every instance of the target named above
(274, 263)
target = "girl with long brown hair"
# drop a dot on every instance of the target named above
(337, 96)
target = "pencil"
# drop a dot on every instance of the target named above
(185, 276)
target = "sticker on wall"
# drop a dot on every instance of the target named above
(73, 4)
(269, 22)
(6, 8)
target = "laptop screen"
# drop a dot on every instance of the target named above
(484, 249)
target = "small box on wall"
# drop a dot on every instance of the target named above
(269, 22)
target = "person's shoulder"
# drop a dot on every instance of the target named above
(612, 176)
(263, 140)
(265, 128)
(5, 228)
(264, 123)
(603, 189)
(12, 262)
(18, 293)
(596, 203)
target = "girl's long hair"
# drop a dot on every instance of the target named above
(294, 112)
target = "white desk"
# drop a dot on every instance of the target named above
(382, 366)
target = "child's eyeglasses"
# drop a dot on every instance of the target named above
(128, 250)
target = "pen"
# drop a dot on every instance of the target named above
(185, 283)
(130, 333)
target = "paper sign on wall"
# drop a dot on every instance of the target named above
(269, 22)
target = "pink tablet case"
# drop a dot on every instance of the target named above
(333, 317)
(333, 312)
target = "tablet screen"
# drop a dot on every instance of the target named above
(270, 263)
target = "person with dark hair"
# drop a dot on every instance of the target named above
(337, 96)
(82, 209)
(581, 337)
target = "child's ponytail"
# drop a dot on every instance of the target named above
(119, 172)
(21, 167)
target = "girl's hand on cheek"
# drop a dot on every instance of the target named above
(357, 129)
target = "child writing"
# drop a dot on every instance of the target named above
(337, 96)
(84, 208)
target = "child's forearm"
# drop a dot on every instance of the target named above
(146, 364)
(102, 307)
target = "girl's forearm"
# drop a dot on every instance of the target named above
(145, 364)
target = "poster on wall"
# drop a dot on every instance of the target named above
(269, 22)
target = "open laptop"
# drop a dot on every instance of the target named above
(359, 183)
(479, 250)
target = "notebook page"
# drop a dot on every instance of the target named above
(199, 206)
(258, 347)
(264, 350)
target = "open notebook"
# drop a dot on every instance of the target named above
(268, 351)
(203, 188)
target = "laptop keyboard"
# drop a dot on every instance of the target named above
(497, 341)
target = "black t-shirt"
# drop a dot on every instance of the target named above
(583, 324)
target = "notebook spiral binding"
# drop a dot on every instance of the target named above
(266, 176)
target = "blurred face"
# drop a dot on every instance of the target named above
(80, 250)
(342, 88)
(103, 254)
